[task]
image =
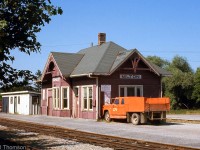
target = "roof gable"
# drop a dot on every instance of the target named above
(124, 56)
(66, 62)
(98, 60)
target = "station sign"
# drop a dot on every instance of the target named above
(130, 76)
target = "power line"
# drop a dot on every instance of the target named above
(65, 44)
(171, 51)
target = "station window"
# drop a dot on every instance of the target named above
(11, 100)
(130, 90)
(65, 97)
(60, 97)
(56, 98)
(43, 94)
(76, 91)
(87, 98)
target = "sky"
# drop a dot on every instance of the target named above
(163, 28)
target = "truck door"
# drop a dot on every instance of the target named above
(115, 107)
(122, 107)
(119, 107)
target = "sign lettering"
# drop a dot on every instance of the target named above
(130, 76)
(56, 79)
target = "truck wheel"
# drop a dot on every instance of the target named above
(107, 116)
(135, 118)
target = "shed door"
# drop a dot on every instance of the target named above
(5, 104)
(35, 105)
(15, 104)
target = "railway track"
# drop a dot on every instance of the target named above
(118, 143)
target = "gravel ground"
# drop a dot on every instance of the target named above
(43, 141)
(182, 134)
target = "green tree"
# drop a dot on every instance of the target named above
(20, 21)
(158, 61)
(37, 84)
(196, 92)
(179, 87)
(181, 64)
(24, 84)
(20, 84)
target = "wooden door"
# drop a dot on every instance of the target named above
(75, 106)
(50, 106)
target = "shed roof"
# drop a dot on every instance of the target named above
(20, 92)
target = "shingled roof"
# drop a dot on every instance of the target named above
(98, 60)
(67, 62)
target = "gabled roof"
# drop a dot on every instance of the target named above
(160, 70)
(67, 62)
(124, 56)
(98, 60)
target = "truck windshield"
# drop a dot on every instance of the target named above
(116, 101)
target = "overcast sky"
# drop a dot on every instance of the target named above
(164, 28)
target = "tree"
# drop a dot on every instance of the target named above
(20, 84)
(181, 64)
(196, 92)
(20, 21)
(158, 61)
(179, 87)
(24, 84)
(38, 86)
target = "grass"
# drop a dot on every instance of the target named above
(185, 111)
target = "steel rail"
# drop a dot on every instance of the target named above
(117, 143)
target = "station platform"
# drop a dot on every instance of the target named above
(182, 134)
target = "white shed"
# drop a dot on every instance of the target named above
(21, 102)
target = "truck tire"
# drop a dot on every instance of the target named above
(135, 119)
(107, 116)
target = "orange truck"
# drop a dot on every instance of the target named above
(137, 109)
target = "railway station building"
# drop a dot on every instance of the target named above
(78, 84)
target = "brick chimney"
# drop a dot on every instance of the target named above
(101, 38)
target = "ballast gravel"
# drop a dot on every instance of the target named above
(182, 134)
(43, 141)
